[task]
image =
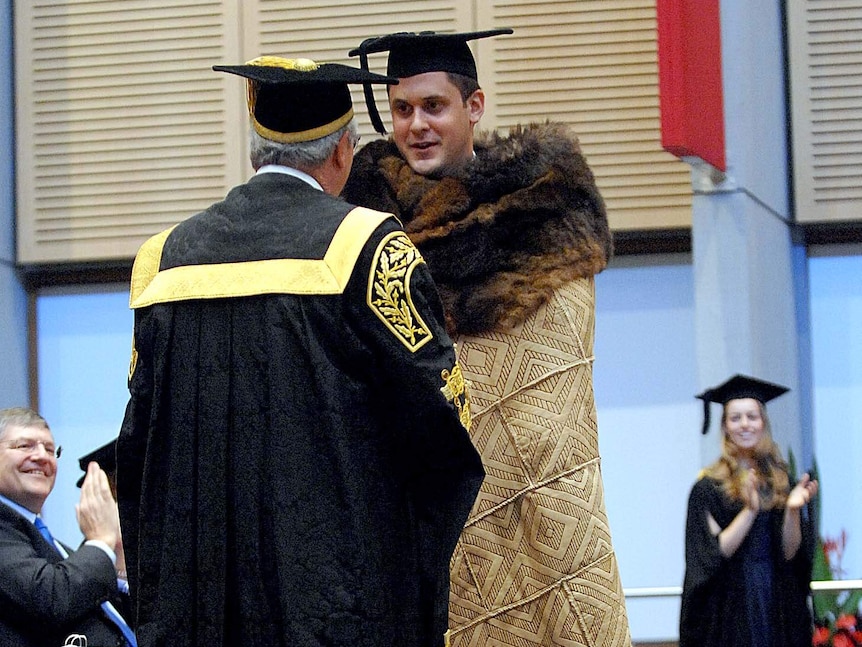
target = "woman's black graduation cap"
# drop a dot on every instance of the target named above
(412, 53)
(294, 100)
(739, 386)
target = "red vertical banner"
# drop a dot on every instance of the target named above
(690, 81)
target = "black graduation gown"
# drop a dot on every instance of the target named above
(716, 602)
(293, 467)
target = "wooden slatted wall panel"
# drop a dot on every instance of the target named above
(825, 50)
(591, 64)
(123, 128)
(120, 121)
(325, 30)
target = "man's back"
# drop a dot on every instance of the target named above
(301, 475)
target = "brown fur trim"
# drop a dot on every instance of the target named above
(521, 220)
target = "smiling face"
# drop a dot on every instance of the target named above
(744, 424)
(432, 125)
(28, 466)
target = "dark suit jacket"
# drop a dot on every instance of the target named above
(44, 598)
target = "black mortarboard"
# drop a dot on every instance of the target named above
(416, 53)
(298, 100)
(737, 387)
(105, 456)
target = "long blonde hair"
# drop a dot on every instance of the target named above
(771, 468)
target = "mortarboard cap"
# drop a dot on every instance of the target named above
(105, 456)
(737, 387)
(416, 53)
(298, 100)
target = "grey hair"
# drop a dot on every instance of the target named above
(303, 156)
(20, 417)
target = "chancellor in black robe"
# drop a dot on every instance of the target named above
(294, 467)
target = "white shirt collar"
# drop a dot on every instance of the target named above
(20, 509)
(286, 170)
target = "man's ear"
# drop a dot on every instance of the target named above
(476, 106)
(343, 153)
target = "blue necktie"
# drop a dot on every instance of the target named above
(40, 525)
(113, 615)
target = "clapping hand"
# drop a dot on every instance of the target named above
(804, 491)
(751, 490)
(97, 512)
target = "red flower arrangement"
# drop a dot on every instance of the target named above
(837, 620)
(845, 632)
(837, 614)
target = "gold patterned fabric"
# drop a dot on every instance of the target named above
(389, 290)
(535, 564)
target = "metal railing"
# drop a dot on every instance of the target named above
(676, 591)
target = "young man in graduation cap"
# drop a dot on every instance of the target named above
(513, 229)
(749, 539)
(294, 467)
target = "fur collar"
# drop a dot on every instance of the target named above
(521, 220)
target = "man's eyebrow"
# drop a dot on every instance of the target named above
(427, 97)
(18, 439)
(27, 436)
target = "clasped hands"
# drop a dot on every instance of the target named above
(801, 494)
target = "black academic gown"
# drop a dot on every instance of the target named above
(717, 603)
(293, 468)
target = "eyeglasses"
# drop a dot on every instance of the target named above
(355, 141)
(29, 446)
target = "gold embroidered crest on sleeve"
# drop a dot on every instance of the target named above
(456, 391)
(133, 361)
(389, 290)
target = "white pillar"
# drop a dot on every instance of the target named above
(751, 301)
(749, 294)
(13, 300)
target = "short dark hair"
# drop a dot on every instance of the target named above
(466, 85)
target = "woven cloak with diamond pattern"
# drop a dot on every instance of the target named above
(513, 243)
